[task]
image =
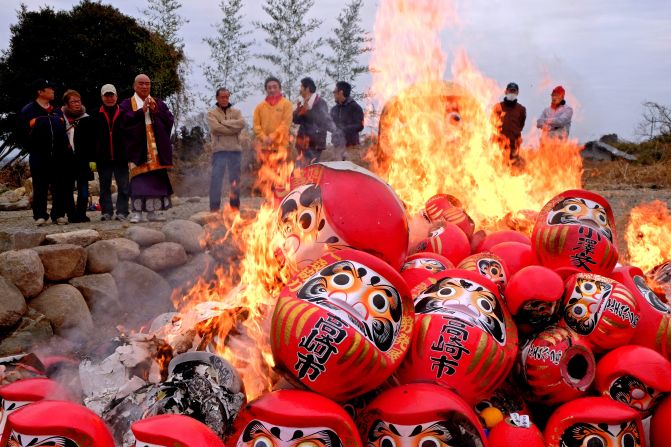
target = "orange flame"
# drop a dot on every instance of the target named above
(438, 137)
(648, 235)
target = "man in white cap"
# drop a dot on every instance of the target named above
(111, 159)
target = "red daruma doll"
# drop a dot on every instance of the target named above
(342, 325)
(422, 415)
(339, 205)
(464, 336)
(293, 418)
(575, 232)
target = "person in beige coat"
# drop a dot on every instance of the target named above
(225, 124)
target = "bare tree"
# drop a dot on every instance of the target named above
(295, 52)
(230, 52)
(349, 43)
(656, 120)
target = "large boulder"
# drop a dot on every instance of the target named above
(82, 238)
(17, 239)
(143, 293)
(101, 294)
(33, 330)
(204, 217)
(126, 249)
(24, 269)
(66, 309)
(145, 236)
(12, 304)
(101, 257)
(62, 261)
(21, 204)
(163, 255)
(200, 266)
(188, 234)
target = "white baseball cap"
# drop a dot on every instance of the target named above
(107, 88)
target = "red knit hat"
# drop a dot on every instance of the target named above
(559, 90)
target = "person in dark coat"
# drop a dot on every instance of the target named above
(314, 121)
(41, 132)
(509, 117)
(81, 141)
(147, 124)
(110, 156)
(347, 115)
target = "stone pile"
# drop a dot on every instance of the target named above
(74, 285)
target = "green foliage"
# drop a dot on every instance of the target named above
(91, 45)
(295, 52)
(350, 42)
(230, 52)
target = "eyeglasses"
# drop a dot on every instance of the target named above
(75, 101)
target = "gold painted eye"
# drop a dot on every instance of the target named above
(342, 280)
(588, 288)
(485, 304)
(595, 441)
(429, 441)
(387, 441)
(378, 301)
(579, 310)
(307, 220)
(263, 441)
(308, 444)
(628, 440)
(447, 292)
(573, 208)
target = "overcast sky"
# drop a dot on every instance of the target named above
(611, 55)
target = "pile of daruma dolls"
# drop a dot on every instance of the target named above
(461, 338)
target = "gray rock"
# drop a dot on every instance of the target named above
(200, 266)
(21, 204)
(24, 269)
(82, 238)
(126, 249)
(204, 217)
(65, 307)
(33, 330)
(185, 232)
(101, 257)
(62, 261)
(18, 239)
(145, 236)
(143, 293)
(163, 255)
(101, 294)
(12, 304)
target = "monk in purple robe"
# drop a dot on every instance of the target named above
(147, 128)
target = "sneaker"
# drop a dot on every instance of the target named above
(62, 221)
(105, 217)
(155, 216)
(40, 222)
(121, 217)
(135, 218)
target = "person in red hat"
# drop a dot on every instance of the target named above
(555, 121)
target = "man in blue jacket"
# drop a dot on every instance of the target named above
(347, 115)
(41, 132)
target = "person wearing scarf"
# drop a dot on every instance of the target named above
(147, 124)
(312, 116)
(81, 141)
(555, 121)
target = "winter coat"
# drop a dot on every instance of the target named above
(82, 143)
(109, 136)
(41, 132)
(556, 123)
(510, 116)
(313, 125)
(225, 126)
(348, 117)
(273, 121)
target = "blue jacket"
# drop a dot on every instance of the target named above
(41, 132)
